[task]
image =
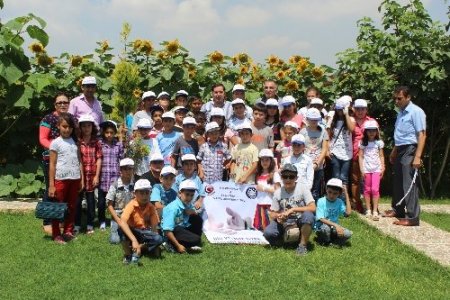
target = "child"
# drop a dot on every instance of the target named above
(226, 134)
(113, 151)
(329, 208)
(302, 162)
(163, 193)
(189, 163)
(267, 179)
(181, 98)
(138, 225)
(65, 172)
(200, 118)
(262, 135)
(195, 104)
(213, 155)
(273, 117)
(119, 194)
(180, 113)
(156, 165)
(164, 100)
(185, 144)
(178, 230)
(166, 139)
(156, 112)
(238, 117)
(316, 147)
(284, 149)
(371, 160)
(244, 157)
(144, 126)
(91, 159)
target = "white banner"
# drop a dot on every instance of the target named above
(229, 213)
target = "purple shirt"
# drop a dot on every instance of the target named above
(112, 154)
(79, 106)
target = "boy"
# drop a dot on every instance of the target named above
(163, 193)
(181, 98)
(195, 104)
(329, 208)
(185, 144)
(156, 165)
(156, 112)
(238, 117)
(166, 139)
(213, 155)
(144, 126)
(200, 118)
(164, 100)
(262, 134)
(138, 225)
(177, 217)
(301, 161)
(244, 157)
(180, 113)
(119, 194)
(291, 212)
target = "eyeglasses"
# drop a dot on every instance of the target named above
(62, 103)
(290, 177)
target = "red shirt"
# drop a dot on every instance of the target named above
(90, 153)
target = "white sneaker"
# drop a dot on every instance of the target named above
(103, 226)
(196, 249)
(368, 213)
(375, 217)
(76, 230)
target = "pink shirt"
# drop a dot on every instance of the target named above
(79, 106)
(297, 119)
(358, 134)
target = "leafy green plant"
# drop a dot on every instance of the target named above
(27, 184)
(8, 184)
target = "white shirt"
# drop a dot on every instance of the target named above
(67, 162)
(304, 166)
(341, 146)
(372, 161)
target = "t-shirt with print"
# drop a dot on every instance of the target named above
(284, 200)
(244, 156)
(182, 147)
(120, 194)
(67, 162)
(262, 138)
(372, 160)
(160, 194)
(263, 179)
(314, 142)
(166, 142)
(330, 210)
(283, 150)
(341, 146)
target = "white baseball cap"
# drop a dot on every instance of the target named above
(212, 126)
(188, 184)
(179, 108)
(163, 94)
(237, 101)
(89, 80)
(313, 114)
(298, 139)
(168, 115)
(217, 111)
(335, 182)
(287, 100)
(243, 126)
(188, 157)
(189, 121)
(102, 124)
(126, 162)
(291, 124)
(144, 123)
(371, 124)
(142, 184)
(316, 101)
(148, 94)
(168, 170)
(181, 93)
(272, 102)
(266, 153)
(343, 102)
(238, 87)
(360, 103)
(156, 157)
(86, 118)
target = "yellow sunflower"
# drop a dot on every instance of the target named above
(291, 86)
(273, 60)
(146, 47)
(137, 93)
(104, 46)
(216, 57)
(163, 55)
(44, 60)
(244, 70)
(294, 59)
(76, 60)
(79, 81)
(240, 80)
(317, 72)
(222, 72)
(243, 58)
(173, 46)
(234, 60)
(302, 65)
(192, 74)
(137, 45)
(281, 74)
(37, 48)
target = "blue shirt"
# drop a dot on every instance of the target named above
(173, 215)
(410, 121)
(159, 194)
(200, 192)
(330, 210)
(166, 142)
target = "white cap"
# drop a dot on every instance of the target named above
(237, 101)
(178, 108)
(217, 111)
(343, 102)
(265, 153)
(148, 94)
(168, 115)
(126, 162)
(168, 170)
(371, 124)
(360, 103)
(188, 184)
(238, 87)
(287, 100)
(142, 184)
(298, 139)
(181, 93)
(189, 156)
(335, 182)
(163, 94)
(316, 101)
(86, 118)
(89, 80)
(189, 121)
(109, 122)
(313, 114)
(212, 126)
(243, 126)
(291, 124)
(156, 157)
(272, 102)
(144, 123)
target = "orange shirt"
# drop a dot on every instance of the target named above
(138, 216)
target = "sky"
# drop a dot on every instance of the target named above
(316, 29)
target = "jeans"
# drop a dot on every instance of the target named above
(101, 206)
(114, 237)
(90, 199)
(316, 189)
(326, 236)
(274, 231)
(340, 168)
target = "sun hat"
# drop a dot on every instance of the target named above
(188, 184)
(238, 87)
(313, 114)
(287, 100)
(289, 168)
(189, 121)
(188, 157)
(163, 95)
(181, 93)
(317, 101)
(217, 111)
(360, 103)
(86, 118)
(168, 115)
(371, 124)
(237, 101)
(244, 126)
(272, 102)
(291, 124)
(156, 157)
(298, 139)
(168, 170)
(211, 126)
(179, 108)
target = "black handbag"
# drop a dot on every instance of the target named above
(51, 210)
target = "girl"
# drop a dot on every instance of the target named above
(289, 112)
(91, 159)
(273, 118)
(284, 149)
(226, 134)
(371, 160)
(112, 150)
(267, 179)
(65, 173)
(311, 93)
(238, 117)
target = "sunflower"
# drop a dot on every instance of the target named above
(302, 65)
(76, 60)
(79, 82)
(216, 57)
(192, 74)
(281, 74)
(104, 46)
(291, 86)
(234, 60)
(137, 93)
(192, 68)
(163, 55)
(137, 45)
(317, 72)
(273, 60)
(146, 47)
(44, 60)
(240, 80)
(37, 48)
(243, 58)
(222, 72)
(173, 46)
(244, 70)
(294, 59)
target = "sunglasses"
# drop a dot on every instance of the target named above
(62, 103)
(290, 177)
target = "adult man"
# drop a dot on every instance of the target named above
(218, 100)
(409, 138)
(148, 99)
(270, 91)
(87, 103)
(292, 210)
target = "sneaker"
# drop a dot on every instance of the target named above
(69, 237)
(76, 230)
(103, 226)
(368, 214)
(195, 249)
(169, 248)
(301, 250)
(90, 230)
(59, 240)
(135, 260)
(126, 259)
(375, 217)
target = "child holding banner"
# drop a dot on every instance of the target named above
(267, 179)
(244, 157)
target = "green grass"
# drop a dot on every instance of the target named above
(439, 220)
(387, 200)
(372, 267)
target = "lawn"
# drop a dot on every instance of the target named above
(372, 267)
(439, 220)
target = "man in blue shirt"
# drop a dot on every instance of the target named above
(409, 138)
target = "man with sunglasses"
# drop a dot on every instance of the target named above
(291, 212)
(87, 103)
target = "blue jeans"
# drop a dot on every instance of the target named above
(274, 231)
(316, 189)
(90, 199)
(101, 206)
(114, 237)
(150, 239)
(325, 236)
(340, 168)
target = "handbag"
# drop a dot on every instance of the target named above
(51, 210)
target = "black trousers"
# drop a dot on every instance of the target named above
(192, 235)
(403, 176)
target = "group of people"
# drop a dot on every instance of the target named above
(283, 151)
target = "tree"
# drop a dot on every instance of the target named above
(410, 49)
